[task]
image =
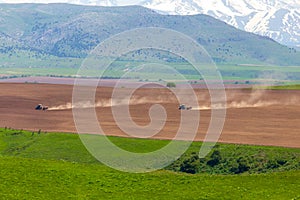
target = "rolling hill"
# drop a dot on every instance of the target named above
(277, 19)
(59, 35)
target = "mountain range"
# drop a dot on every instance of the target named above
(33, 33)
(277, 19)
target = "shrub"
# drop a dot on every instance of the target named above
(272, 164)
(241, 165)
(190, 165)
(171, 84)
(215, 158)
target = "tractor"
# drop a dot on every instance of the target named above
(41, 107)
(184, 107)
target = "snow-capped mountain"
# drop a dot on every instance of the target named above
(277, 19)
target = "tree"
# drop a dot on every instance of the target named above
(171, 84)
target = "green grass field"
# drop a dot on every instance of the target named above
(25, 178)
(240, 73)
(285, 87)
(57, 166)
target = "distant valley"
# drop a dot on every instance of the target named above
(61, 35)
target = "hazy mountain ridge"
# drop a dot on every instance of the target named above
(64, 30)
(277, 19)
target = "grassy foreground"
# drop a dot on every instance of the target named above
(23, 178)
(57, 166)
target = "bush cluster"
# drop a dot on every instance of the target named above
(236, 162)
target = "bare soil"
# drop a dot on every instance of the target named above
(270, 117)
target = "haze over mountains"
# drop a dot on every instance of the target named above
(277, 19)
(31, 33)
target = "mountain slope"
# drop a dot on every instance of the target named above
(64, 30)
(277, 19)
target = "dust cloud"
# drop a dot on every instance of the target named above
(118, 102)
(257, 98)
(86, 104)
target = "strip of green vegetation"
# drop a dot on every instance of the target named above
(284, 87)
(24, 178)
(39, 165)
(133, 70)
(223, 159)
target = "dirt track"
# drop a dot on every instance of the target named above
(269, 123)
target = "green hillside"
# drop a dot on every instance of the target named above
(25, 178)
(223, 159)
(38, 34)
(39, 165)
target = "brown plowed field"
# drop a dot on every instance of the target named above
(254, 117)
